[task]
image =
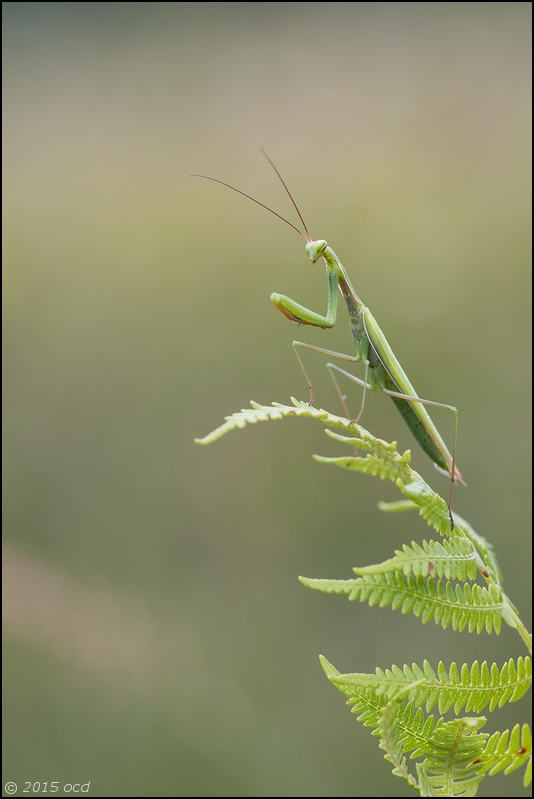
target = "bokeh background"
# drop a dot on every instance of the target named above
(157, 641)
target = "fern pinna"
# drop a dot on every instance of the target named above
(449, 758)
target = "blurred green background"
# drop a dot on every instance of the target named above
(157, 641)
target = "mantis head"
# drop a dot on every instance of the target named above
(315, 249)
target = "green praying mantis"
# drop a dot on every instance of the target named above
(382, 369)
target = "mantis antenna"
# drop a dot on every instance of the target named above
(307, 238)
(288, 193)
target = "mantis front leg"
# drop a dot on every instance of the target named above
(304, 316)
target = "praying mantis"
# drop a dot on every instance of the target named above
(382, 369)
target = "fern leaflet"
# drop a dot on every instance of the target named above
(471, 606)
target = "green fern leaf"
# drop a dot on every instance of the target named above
(508, 751)
(451, 750)
(365, 700)
(473, 688)
(475, 607)
(455, 559)
(450, 766)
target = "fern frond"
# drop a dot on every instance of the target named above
(471, 606)
(382, 459)
(473, 688)
(365, 700)
(449, 767)
(501, 753)
(455, 558)
(482, 544)
(449, 751)
(264, 413)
